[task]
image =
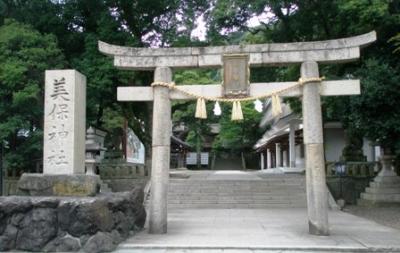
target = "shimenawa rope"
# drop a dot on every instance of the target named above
(237, 114)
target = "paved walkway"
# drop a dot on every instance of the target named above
(260, 230)
(228, 175)
(253, 229)
(217, 174)
(387, 215)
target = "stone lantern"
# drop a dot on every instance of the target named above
(94, 149)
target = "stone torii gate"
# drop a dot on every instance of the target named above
(163, 60)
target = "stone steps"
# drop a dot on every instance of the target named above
(171, 249)
(278, 192)
(237, 197)
(297, 179)
(384, 184)
(233, 186)
(384, 189)
(387, 190)
(233, 200)
(272, 189)
(247, 196)
(104, 188)
(388, 180)
(381, 197)
(236, 206)
(282, 191)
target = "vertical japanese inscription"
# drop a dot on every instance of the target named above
(65, 102)
(58, 114)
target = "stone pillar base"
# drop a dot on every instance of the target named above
(293, 170)
(58, 185)
(385, 188)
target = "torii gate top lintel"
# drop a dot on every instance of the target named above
(328, 51)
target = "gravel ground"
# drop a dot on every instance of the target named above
(385, 215)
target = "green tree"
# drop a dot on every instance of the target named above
(238, 136)
(396, 42)
(78, 24)
(184, 111)
(24, 55)
(376, 113)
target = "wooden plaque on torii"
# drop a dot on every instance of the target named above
(235, 75)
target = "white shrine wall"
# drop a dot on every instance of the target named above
(334, 142)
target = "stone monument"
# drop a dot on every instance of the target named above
(64, 122)
(64, 140)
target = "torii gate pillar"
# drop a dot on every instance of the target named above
(162, 127)
(317, 195)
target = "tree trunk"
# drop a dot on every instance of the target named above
(243, 161)
(214, 157)
(147, 143)
(99, 115)
(198, 151)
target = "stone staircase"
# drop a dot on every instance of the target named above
(104, 188)
(280, 191)
(228, 163)
(386, 185)
(382, 190)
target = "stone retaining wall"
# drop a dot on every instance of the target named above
(122, 185)
(91, 224)
(116, 169)
(10, 186)
(348, 188)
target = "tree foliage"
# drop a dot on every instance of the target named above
(199, 129)
(24, 55)
(64, 34)
(238, 135)
(376, 112)
(320, 20)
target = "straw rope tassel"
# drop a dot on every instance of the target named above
(233, 116)
(201, 111)
(234, 111)
(237, 113)
(276, 105)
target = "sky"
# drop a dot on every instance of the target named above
(200, 31)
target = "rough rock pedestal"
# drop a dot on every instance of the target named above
(54, 224)
(58, 185)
